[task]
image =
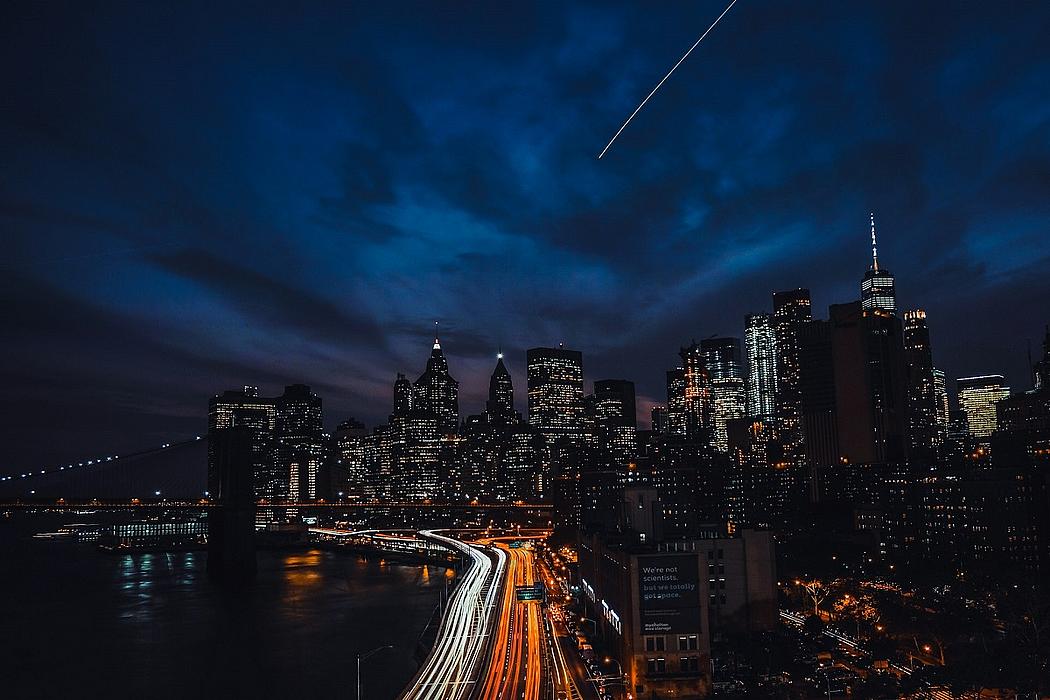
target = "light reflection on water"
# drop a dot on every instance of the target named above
(153, 625)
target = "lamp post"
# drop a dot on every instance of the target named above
(365, 656)
(619, 668)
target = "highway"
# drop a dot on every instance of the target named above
(515, 665)
(454, 664)
(568, 674)
(491, 646)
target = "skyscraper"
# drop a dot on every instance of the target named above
(940, 393)
(402, 396)
(760, 346)
(300, 441)
(500, 405)
(877, 289)
(977, 397)
(658, 418)
(1041, 369)
(555, 385)
(614, 410)
(790, 309)
(729, 399)
(817, 386)
(870, 384)
(437, 393)
(245, 408)
(728, 392)
(350, 473)
(698, 401)
(923, 435)
(676, 420)
(722, 357)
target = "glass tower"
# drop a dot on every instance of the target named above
(761, 348)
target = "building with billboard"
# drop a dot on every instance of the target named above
(657, 602)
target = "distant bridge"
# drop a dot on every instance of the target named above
(166, 504)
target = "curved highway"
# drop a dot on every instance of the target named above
(453, 665)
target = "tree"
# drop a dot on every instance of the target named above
(817, 591)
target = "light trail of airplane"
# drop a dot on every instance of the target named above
(682, 59)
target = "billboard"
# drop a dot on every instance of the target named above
(669, 594)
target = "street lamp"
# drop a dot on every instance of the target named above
(365, 656)
(619, 668)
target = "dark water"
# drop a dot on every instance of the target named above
(78, 623)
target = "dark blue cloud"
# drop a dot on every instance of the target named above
(195, 198)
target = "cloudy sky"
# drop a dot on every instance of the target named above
(197, 198)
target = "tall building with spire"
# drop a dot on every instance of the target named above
(877, 290)
(500, 405)
(437, 393)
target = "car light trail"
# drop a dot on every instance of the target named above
(515, 668)
(450, 669)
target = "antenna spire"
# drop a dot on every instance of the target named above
(874, 247)
(437, 343)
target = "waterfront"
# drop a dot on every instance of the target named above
(80, 623)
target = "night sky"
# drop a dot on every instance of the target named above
(197, 198)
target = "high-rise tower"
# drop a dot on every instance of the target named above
(760, 346)
(1041, 369)
(870, 385)
(246, 409)
(698, 401)
(617, 422)
(500, 405)
(923, 435)
(437, 393)
(402, 396)
(722, 357)
(877, 290)
(555, 384)
(676, 419)
(300, 442)
(977, 399)
(728, 392)
(790, 309)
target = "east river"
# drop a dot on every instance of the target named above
(79, 623)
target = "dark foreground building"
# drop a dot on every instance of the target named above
(231, 522)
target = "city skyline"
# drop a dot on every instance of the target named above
(346, 354)
(303, 212)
